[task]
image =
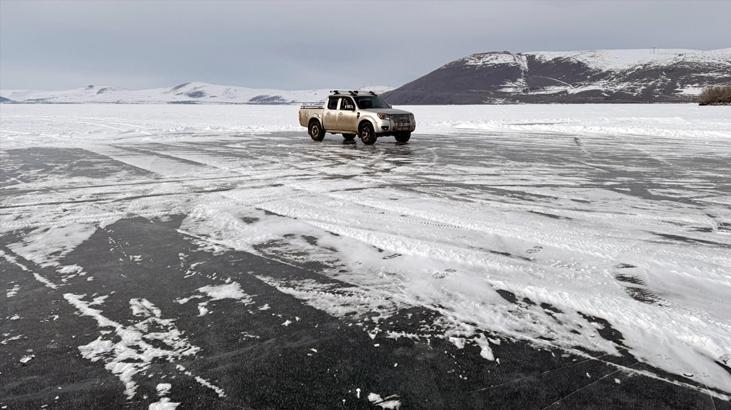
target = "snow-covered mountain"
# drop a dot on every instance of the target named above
(652, 75)
(186, 93)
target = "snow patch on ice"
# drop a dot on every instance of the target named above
(203, 382)
(336, 300)
(163, 390)
(45, 246)
(227, 291)
(10, 339)
(11, 292)
(47, 283)
(211, 293)
(163, 404)
(129, 350)
(390, 402)
(27, 358)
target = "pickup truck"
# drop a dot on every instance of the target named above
(352, 113)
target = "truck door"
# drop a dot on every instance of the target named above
(329, 120)
(346, 115)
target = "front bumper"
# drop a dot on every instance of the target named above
(392, 126)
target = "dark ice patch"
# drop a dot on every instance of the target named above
(550, 308)
(642, 295)
(38, 163)
(552, 216)
(630, 279)
(605, 329)
(151, 150)
(507, 295)
(639, 290)
(270, 213)
(689, 240)
(391, 256)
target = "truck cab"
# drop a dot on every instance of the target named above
(352, 113)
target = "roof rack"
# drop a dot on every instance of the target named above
(351, 92)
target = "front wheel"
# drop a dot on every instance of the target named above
(315, 130)
(367, 134)
(403, 136)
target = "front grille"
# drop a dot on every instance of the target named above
(400, 117)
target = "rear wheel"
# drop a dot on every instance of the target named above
(403, 136)
(367, 134)
(315, 130)
(349, 137)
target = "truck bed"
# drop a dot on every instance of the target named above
(312, 106)
(308, 111)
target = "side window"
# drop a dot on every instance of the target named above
(347, 104)
(332, 103)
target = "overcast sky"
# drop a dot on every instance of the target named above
(300, 45)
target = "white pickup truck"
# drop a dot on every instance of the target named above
(353, 113)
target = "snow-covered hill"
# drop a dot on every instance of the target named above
(643, 75)
(187, 93)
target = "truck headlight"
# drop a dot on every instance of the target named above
(383, 116)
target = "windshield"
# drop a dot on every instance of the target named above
(371, 102)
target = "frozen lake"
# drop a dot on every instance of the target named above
(180, 254)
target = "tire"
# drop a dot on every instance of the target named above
(349, 137)
(403, 136)
(315, 130)
(366, 133)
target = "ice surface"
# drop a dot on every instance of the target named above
(524, 221)
(88, 125)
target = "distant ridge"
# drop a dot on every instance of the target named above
(185, 93)
(621, 76)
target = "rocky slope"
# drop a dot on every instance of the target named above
(622, 76)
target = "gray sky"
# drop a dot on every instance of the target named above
(298, 45)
